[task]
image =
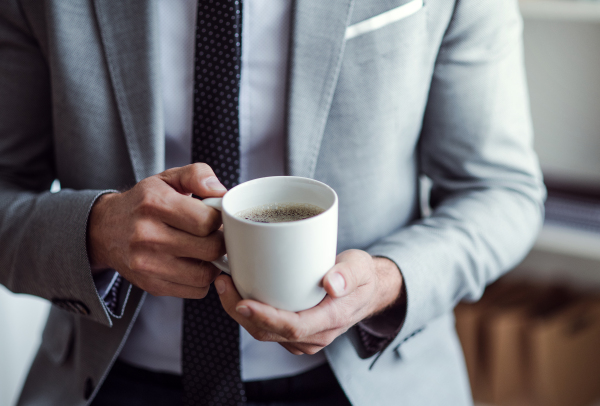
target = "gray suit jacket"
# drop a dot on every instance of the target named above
(440, 93)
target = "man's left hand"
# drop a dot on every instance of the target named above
(357, 287)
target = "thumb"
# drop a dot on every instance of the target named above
(350, 271)
(340, 280)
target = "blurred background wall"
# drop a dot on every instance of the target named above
(534, 338)
(22, 319)
(562, 53)
(562, 56)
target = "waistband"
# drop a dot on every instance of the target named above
(312, 384)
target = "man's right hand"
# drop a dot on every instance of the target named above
(157, 236)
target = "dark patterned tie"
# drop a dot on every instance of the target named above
(210, 347)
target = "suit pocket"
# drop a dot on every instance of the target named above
(383, 19)
(390, 43)
(57, 338)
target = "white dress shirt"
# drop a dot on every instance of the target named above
(155, 339)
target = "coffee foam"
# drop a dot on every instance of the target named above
(280, 212)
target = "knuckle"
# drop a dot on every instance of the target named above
(202, 292)
(150, 204)
(335, 320)
(349, 275)
(208, 220)
(144, 184)
(199, 223)
(214, 247)
(293, 333)
(207, 275)
(295, 351)
(201, 169)
(213, 255)
(144, 233)
(203, 279)
(326, 340)
(139, 234)
(261, 335)
(137, 263)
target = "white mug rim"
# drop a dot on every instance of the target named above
(252, 183)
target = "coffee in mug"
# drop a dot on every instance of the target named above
(280, 212)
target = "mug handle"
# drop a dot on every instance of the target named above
(222, 263)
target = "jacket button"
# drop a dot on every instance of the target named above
(88, 388)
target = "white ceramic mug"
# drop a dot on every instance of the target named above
(281, 264)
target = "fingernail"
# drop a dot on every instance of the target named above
(220, 286)
(213, 184)
(338, 284)
(244, 311)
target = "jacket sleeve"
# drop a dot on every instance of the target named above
(43, 234)
(476, 147)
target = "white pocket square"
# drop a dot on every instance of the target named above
(384, 19)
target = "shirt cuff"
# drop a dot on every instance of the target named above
(108, 284)
(104, 281)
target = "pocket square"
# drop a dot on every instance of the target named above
(384, 19)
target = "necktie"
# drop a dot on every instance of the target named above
(210, 347)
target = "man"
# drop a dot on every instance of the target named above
(378, 93)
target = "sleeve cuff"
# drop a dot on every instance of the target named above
(378, 331)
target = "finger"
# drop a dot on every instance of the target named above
(300, 348)
(291, 348)
(328, 315)
(154, 237)
(350, 271)
(191, 272)
(182, 244)
(164, 267)
(159, 200)
(191, 215)
(250, 319)
(231, 300)
(197, 178)
(287, 326)
(158, 287)
(292, 327)
(229, 296)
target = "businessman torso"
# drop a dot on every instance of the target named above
(362, 107)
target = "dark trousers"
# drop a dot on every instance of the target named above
(127, 385)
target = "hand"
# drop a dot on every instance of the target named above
(157, 236)
(357, 287)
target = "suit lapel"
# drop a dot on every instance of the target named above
(131, 47)
(130, 41)
(318, 30)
